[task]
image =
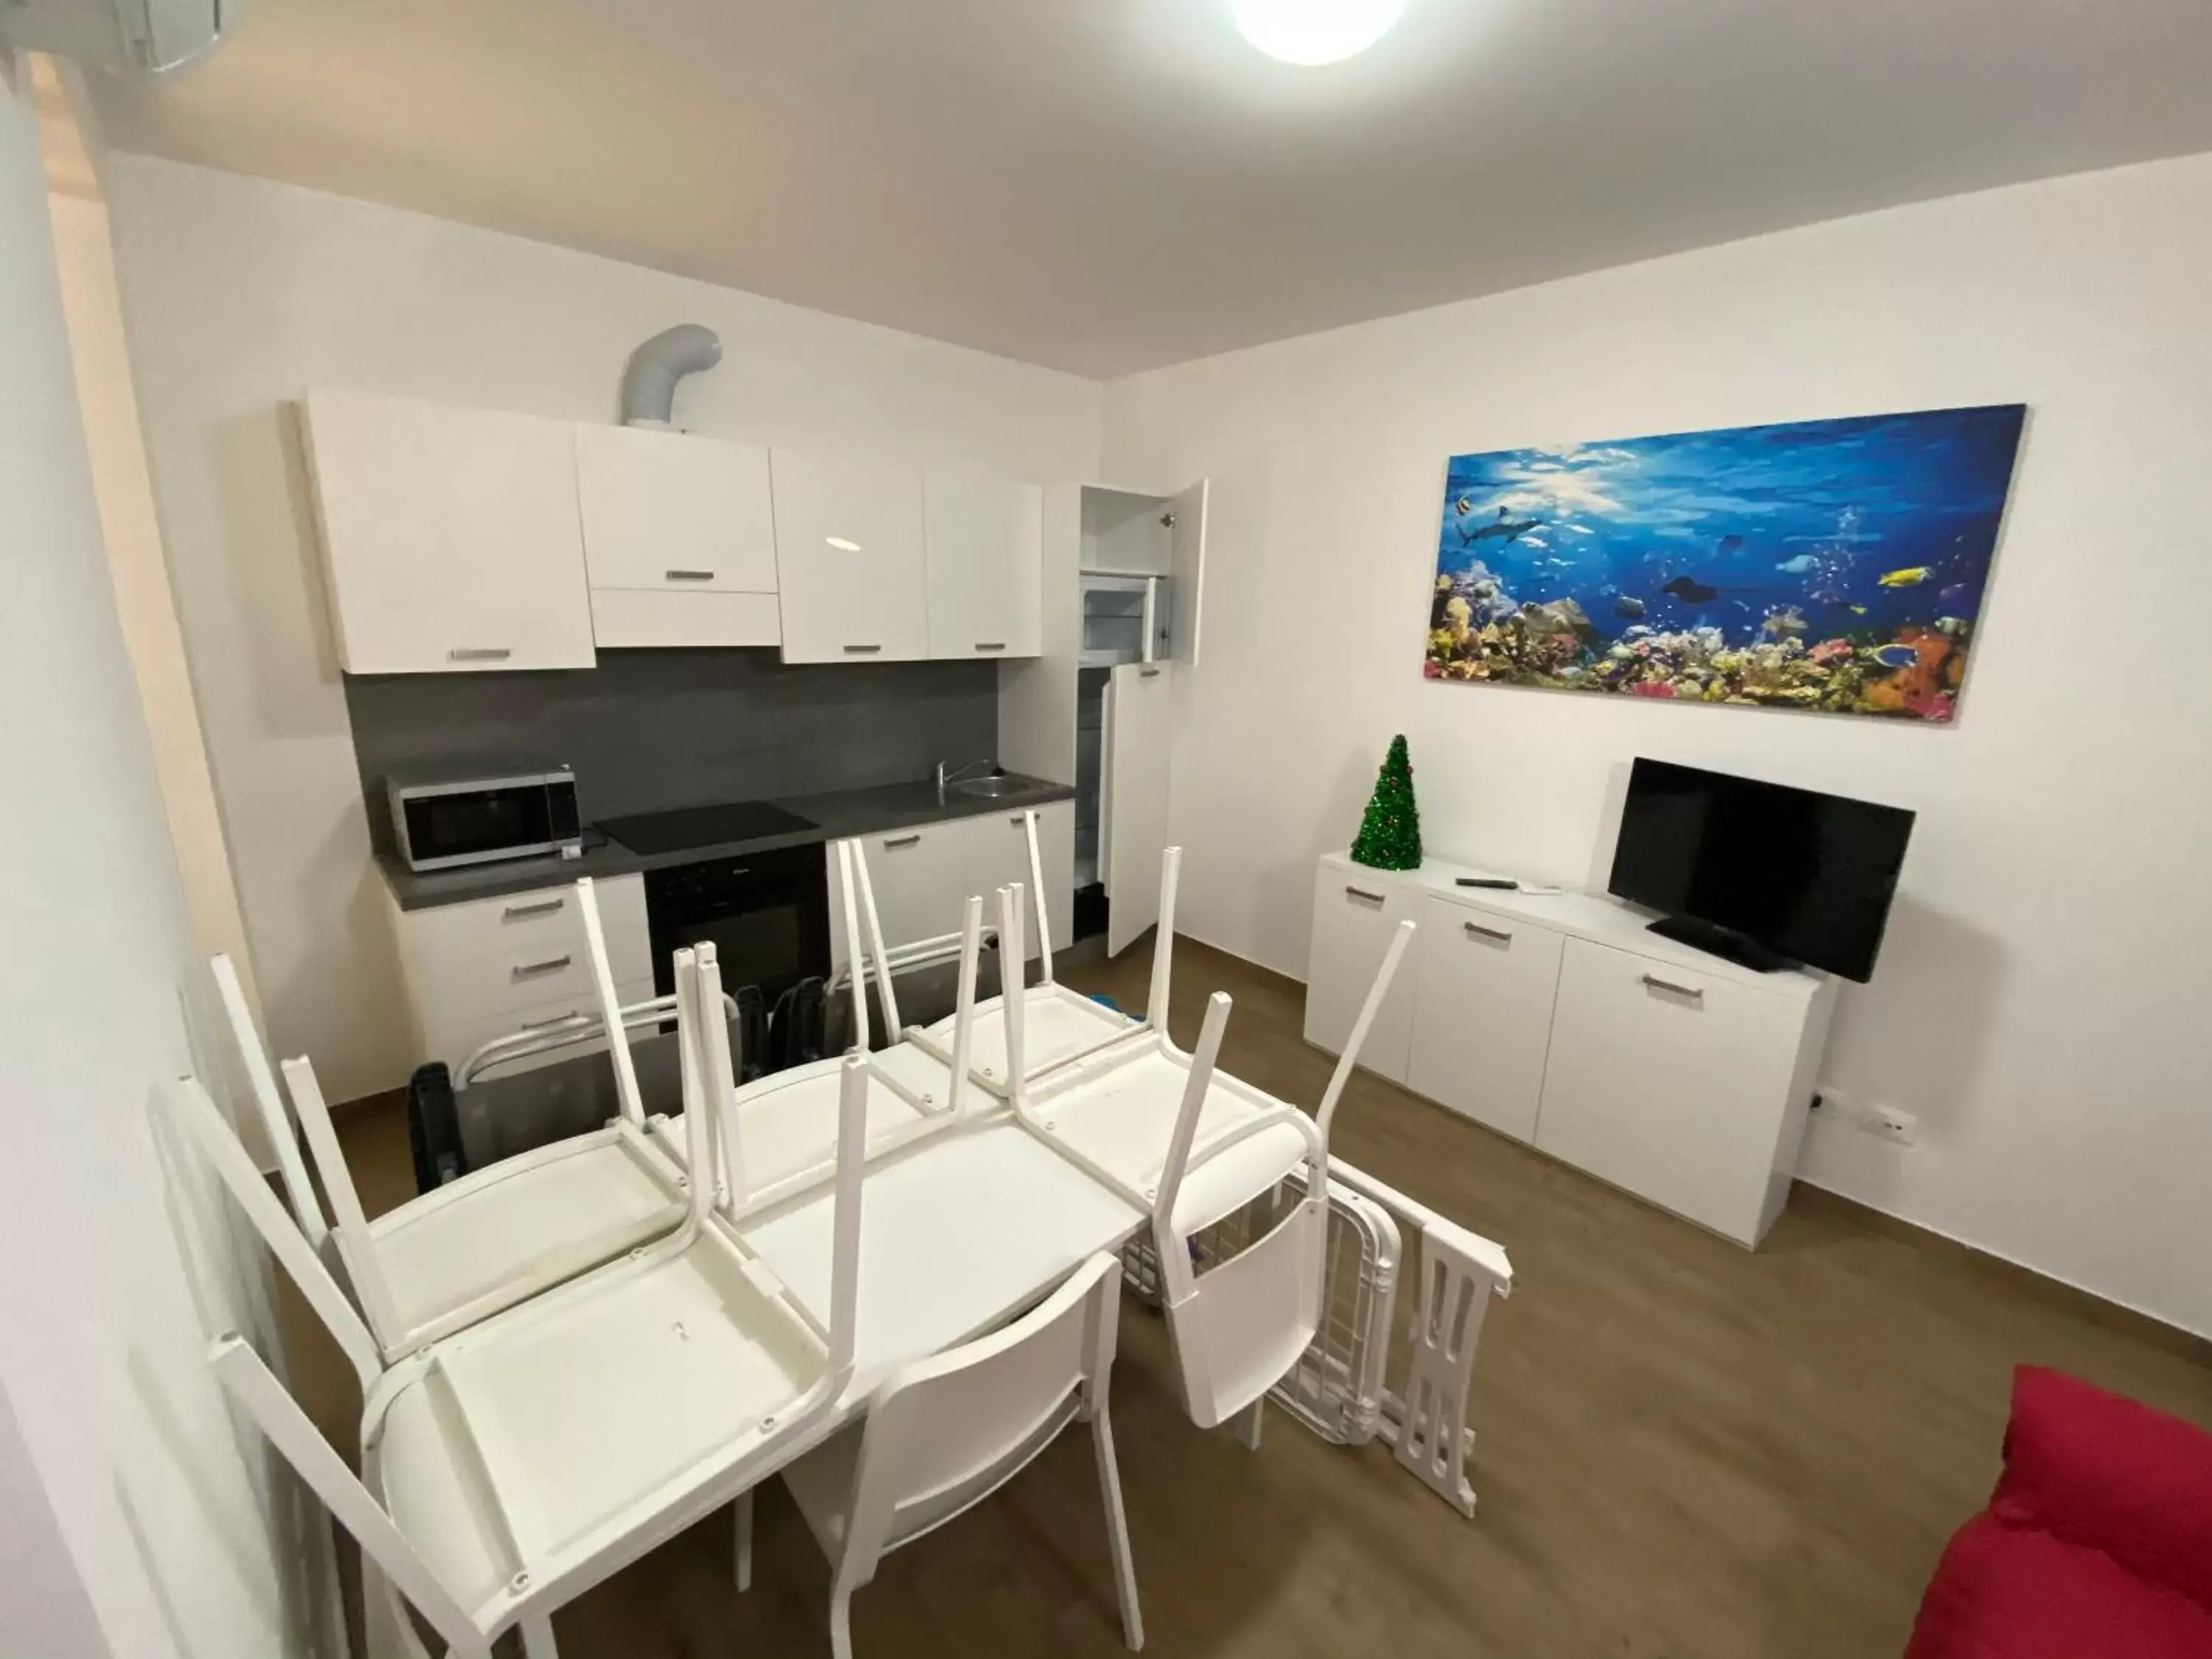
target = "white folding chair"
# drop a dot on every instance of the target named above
(466, 1250)
(508, 1469)
(1060, 1024)
(943, 1434)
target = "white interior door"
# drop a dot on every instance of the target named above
(1187, 568)
(1136, 804)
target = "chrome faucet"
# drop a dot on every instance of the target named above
(953, 776)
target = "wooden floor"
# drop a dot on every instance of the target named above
(1685, 1449)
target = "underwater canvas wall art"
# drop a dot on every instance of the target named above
(1837, 565)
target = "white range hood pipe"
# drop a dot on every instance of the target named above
(648, 389)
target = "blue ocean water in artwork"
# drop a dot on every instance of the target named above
(1836, 564)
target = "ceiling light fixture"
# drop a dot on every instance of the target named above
(1311, 32)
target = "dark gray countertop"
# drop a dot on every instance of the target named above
(834, 815)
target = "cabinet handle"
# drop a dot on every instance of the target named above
(1362, 893)
(900, 841)
(479, 654)
(1148, 673)
(861, 650)
(557, 1019)
(688, 575)
(1692, 992)
(537, 969)
(1498, 934)
(543, 908)
(990, 645)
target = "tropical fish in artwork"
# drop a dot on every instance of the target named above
(1691, 592)
(1896, 656)
(1628, 605)
(1910, 576)
(1803, 565)
(1505, 527)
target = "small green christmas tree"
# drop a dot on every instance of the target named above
(1390, 833)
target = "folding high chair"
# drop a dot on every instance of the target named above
(509, 1468)
(445, 1259)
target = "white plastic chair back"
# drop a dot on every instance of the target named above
(261, 1083)
(945, 1433)
(1237, 1329)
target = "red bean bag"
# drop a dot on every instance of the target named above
(2097, 1543)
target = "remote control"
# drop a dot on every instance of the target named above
(1486, 881)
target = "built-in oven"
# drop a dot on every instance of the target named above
(768, 915)
(477, 815)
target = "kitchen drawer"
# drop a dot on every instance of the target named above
(1482, 1013)
(500, 955)
(450, 1044)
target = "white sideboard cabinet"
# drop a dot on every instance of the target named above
(1560, 1021)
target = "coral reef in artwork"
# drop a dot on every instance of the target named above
(1837, 565)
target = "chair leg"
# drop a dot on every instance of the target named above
(744, 1528)
(840, 1623)
(538, 1637)
(1247, 1425)
(1117, 1530)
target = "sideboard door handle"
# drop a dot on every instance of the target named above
(901, 841)
(1694, 992)
(543, 908)
(1498, 934)
(535, 969)
(1362, 893)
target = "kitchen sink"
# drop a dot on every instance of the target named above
(989, 788)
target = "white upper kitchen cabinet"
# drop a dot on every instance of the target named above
(985, 537)
(679, 537)
(450, 537)
(851, 572)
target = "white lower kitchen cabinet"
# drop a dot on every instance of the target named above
(1560, 1020)
(1482, 1014)
(1356, 911)
(485, 968)
(923, 874)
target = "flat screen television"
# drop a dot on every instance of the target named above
(1765, 875)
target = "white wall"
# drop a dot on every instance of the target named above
(2041, 1000)
(239, 293)
(111, 1276)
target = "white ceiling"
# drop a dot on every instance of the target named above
(1105, 185)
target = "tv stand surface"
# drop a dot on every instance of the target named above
(1722, 942)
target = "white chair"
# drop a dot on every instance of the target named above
(445, 1259)
(943, 1434)
(1194, 1145)
(509, 1468)
(779, 1131)
(1061, 1024)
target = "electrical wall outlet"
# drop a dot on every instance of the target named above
(1890, 1123)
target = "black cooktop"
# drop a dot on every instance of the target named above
(687, 827)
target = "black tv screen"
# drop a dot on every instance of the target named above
(1800, 875)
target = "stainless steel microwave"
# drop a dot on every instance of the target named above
(440, 822)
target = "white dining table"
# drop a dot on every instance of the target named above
(959, 1232)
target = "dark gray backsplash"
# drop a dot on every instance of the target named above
(650, 729)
